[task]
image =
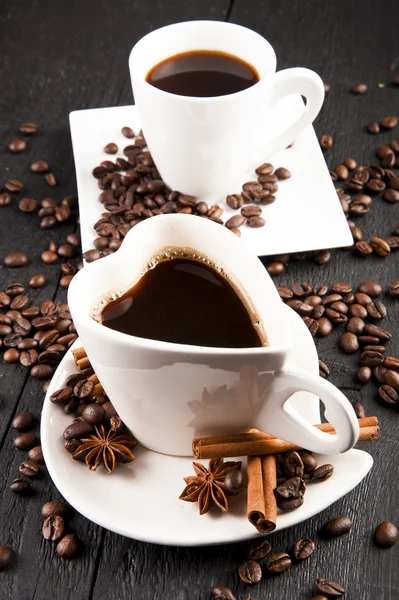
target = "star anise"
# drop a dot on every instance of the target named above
(107, 447)
(207, 486)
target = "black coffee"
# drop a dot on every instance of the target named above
(186, 302)
(203, 73)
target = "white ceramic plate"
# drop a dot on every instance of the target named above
(141, 499)
(306, 215)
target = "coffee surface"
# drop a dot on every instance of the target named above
(203, 73)
(186, 302)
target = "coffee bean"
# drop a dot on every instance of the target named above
(233, 482)
(29, 468)
(350, 163)
(359, 89)
(265, 169)
(221, 592)
(293, 465)
(389, 122)
(386, 535)
(378, 332)
(291, 488)
(23, 421)
(275, 268)
(324, 371)
(282, 173)
(14, 186)
(326, 142)
(379, 373)
(363, 249)
(364, 375)
(393, 182)
(390, 362)
(251, 211)
(255, 222)
(53, 528)
(373, 127)
(49, 257)
(387, 394)
(356, 234)
(26, 441)
(39, 166)
(250, 572)
(54, 508)
(28, 128)
(278, 562)
(355, 325)
(380, 246)
(258, 549)
(77, 430)
(5, 329)
(357, 310)
(31, 312)
(91, 255)
(21, 487)
(393, 242)
(62, 213)
(66, 251)
(322, 257)
(68, 547)
(303, 549)
(328, 588)
(342, 172)
(17, 259)
(391, 378)
(370, 358)
(376, 310)
(11, 356)
(127, 132)
(65, 281)
(27, 205)
(309, 462)
(235, 222)
(371, 288)
(348, 342)
(336, 527)
(5, 199)
(286, 293)
(83, 389)
(19, 302)
(50, 178)
(37, 281)
(391, 195)
(323, 472)
(36, 455)
(48, 222)
(6, 558)
(72, 202)
(393, 289)
(93, 413)
(42, 371)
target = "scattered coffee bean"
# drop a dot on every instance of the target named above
(233, 482)
(37, 281)
(68, 547)
(363, 248)
(93, 413)
(15, 260)
(380, 246)
(364, 375)
(278, 563)
(36, 455)
(370, 288)
(303, 549)
(348, 342)
(255, 222)
(275, 268)
(293, 465)
(387, 395)
(77, 430)
(17, 146)
(323, 472)
(235, 222)
(23, 421)
(27, 205)
(393, 289)
(29, 468)
(391, 378)
(26, 441)
(11, 355)
(14, 186)
(53, 528)
(221, 592)
(6, 558)
(54, 508)
(42, 371)
(50, 178)
(389, 122)
(250, 572)
(336, 527)
(39, 166)
(386, 535)
(328, 588)
(127, 132)
(373, 127)
(391, 195)
(258, 549)
(282, 173)
(326, 142)
(111, 148)
(5, 199)
(28, 128)
(392, 363)
(21, 487)
(359, 89)
(324, 371)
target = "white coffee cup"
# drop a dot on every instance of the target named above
(208, 147)
(154, 385)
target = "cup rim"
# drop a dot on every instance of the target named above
(198, 99)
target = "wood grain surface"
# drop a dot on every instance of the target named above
(56, 57)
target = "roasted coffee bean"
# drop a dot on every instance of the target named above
(282, 173)
(23, 421)
(275, 268)
(72, 445)
(77, 430)
(370, 288)
(53, 528)
(250, 572)
(39, 166)
(62, 213)
(335, 316)
(27, 205)
(233, 482)
(83, 389)
(91, 255)
(127, 132)
(364, 375)
(66, 251)
(111, 148)
(324, 371)
(22, 326)
(5, 199)
(350, 163)
(15, 289)
(356, 234)
(49, 257)
(48, 222)
(31, 312)
(376, 310)
(286, 293)
(221, 592)
(326, 142)
(373, 127)
(391, 195)
(93, 413)
(363, 249)
(348, 342)
(17, 146)
(251, 211)
(303, 549)
(37, 281)
(68, 546)
(359, 89)
(309, 462)
(375, 185)
(379, 373)
(393, 289)
(265, 169)
(258, 549)
(368, 340)
(389, 122)
(381, 334)
(21, 487)
(375, 348)
(15, 260)
(11, 356)
(19, 302)
(393, 242)
(328, 300)
(370, 358)
(388, 395)
(391, 378)
(328, 587)
(357, 310)
(36, 455)
(72, 202)
(380, 246)
(50, 178)
(342, 172)
(355, 325)
(235, 222)
(6, 558)
(29, 468)
(42, 371)
(109, 410)
(336, 527)
(65, 281)
(391, 362)
(340, 307)
(323, 472)
(5, 329)
(68, 269)
(291, 488)
(4, 299)
(293, 465)
(14, 186)
(255, 222)
(393, 181)
(67, 340)
(54, 508)
(278, 562)
(26, 441)
(322, 257)
(386, 535)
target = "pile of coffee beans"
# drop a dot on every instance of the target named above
(55, 514)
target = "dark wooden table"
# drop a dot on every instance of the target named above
(60, 56)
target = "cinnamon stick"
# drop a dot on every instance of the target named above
(261, 501)
(82, 361)
(98, 388)
(78, 354)
(258, 443)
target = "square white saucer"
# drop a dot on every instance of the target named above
(305, 216)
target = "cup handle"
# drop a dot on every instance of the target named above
(281, 420)
(295, 81)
